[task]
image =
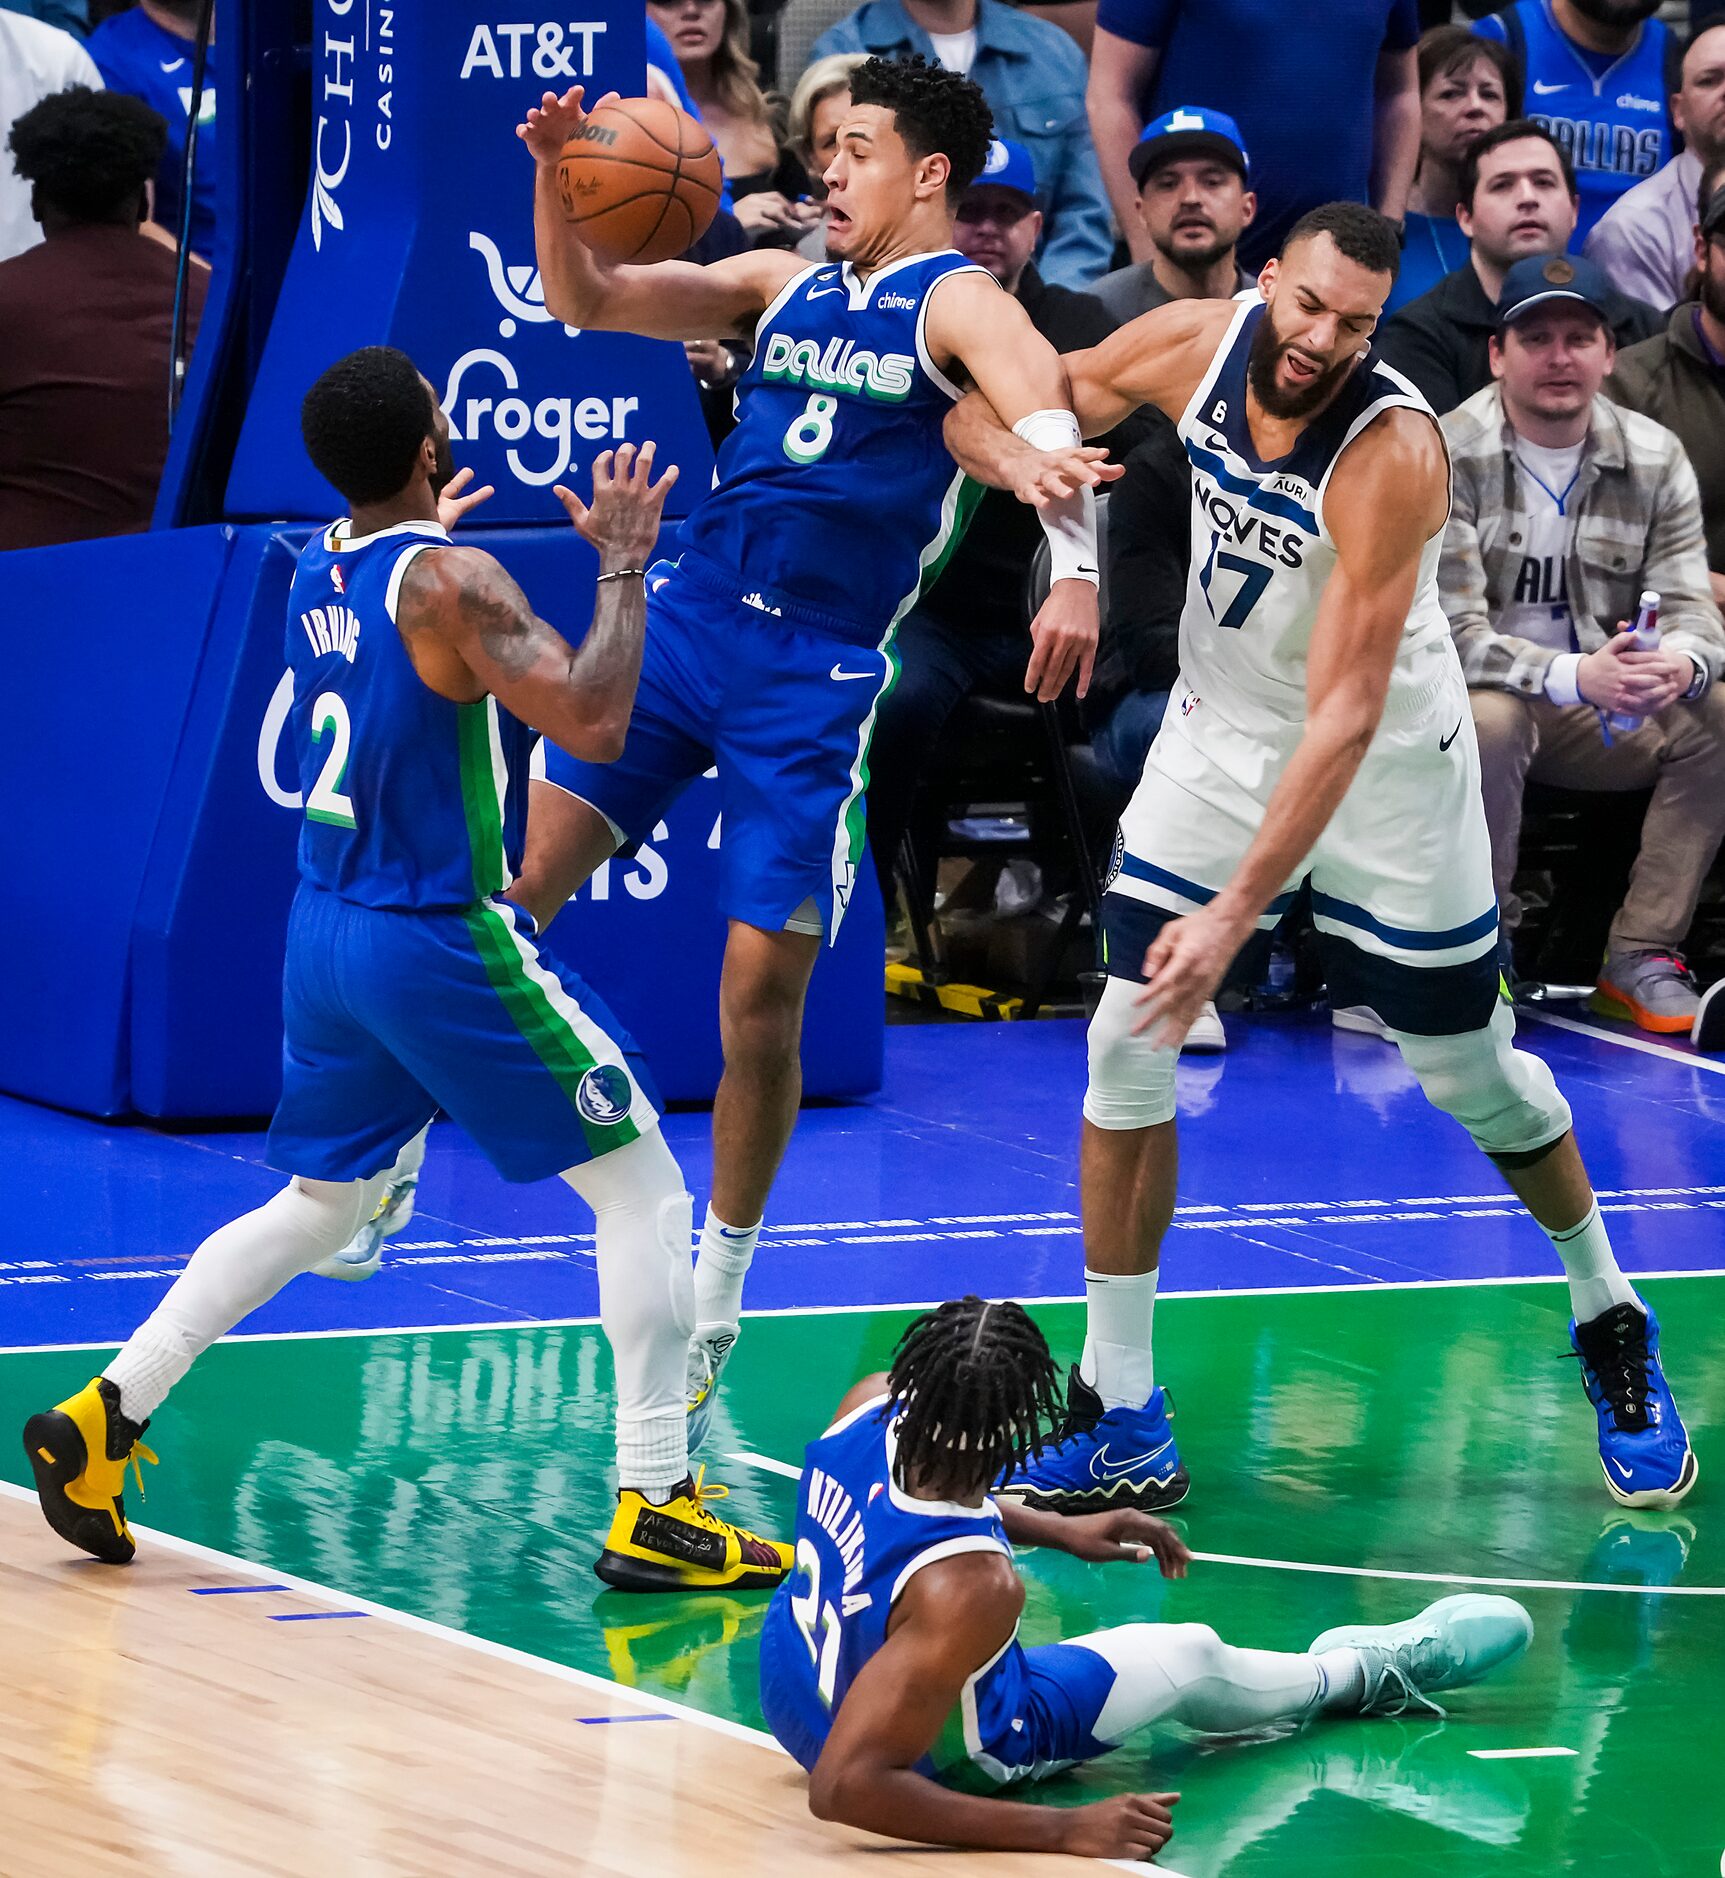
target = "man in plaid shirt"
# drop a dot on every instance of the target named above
(1566, 507)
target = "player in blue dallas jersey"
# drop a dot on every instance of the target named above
(771, 620)
(422, 680)
(890, 1662)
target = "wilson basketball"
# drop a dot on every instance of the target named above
(640, 179)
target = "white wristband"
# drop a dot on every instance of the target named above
(1070, 524)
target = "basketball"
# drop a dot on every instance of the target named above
(640, 179)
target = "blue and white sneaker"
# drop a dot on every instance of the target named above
(709, 1350)
(1104, 1459)
(1450, 1644)
(363, 1254)
(1644, 1450)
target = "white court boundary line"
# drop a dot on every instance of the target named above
(767, 1464)
(483, 1646)
(1645, 1046)
(1369, 1285)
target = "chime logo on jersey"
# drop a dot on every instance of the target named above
(839, 365)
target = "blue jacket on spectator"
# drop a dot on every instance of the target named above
(72, 16)
(1033, 76)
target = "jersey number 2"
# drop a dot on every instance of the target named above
(824, 1654)
(326, 803)
(807, 439)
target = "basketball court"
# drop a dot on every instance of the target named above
(362, 1635)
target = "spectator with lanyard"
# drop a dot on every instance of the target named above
(1598, 75)
(1468, 86)
(1646, 240)
(1329, 108)
(1564, 508)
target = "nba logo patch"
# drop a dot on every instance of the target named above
(1189, 704)
(337, 579)
(605, 1095)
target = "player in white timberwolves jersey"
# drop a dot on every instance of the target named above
(1321, 734)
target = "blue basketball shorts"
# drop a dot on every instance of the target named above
(390, 1016)
(786, 714)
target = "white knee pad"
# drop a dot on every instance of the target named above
(1507, 1100)
(645, 1217)
(1131, 1079)
(328, 1213)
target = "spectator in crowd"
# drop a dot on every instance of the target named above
(818, 105)
(1149, 552)
(768, 185)
(1564, 508)
(1468, 86)
(147, 52)
(1677, 378)
(1194, 199)
(1032, 75)
(1326, 97)
(1518, 197)
(1597, 74)
(1646, 240)
(85, 326)
(71, 16)
(36, 60)
(970, 632)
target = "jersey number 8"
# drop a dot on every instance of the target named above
(807, 439)
(326, 803)
(825, 1653)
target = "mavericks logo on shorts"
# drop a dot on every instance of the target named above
(605, 1095)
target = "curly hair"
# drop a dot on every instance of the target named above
(935, 111)
(364, 422)
(1365, 237)
(976, 1390)
(89, 153)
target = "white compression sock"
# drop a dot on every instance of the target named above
(726, 1253)
(643, 1216)
(1117, 1362)
(239, 1267)
(1595, 1282)
(1186, 1673)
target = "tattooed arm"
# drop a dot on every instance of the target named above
(469, 628)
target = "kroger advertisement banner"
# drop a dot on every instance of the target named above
(418, 232)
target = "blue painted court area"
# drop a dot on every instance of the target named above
(1310, 1158)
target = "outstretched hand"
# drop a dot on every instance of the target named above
(453, 503)
(1043, 476)
(623, 517)
(554, 120)
(1105, 1538)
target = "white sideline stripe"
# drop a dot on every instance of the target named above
(853, 1310)
(308, 1587)
(769, 1465)
(1644, 1044)
(1518, 1754)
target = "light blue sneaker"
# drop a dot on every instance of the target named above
(1451, 1643)
(363, 1254)
(709, 1350)
(1644, 1450)
(1104, 1459)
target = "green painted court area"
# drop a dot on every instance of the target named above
(460, 1476)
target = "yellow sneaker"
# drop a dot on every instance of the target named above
(683, 1546)
(80, 1450)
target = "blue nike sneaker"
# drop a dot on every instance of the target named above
(1451, 1643)
(1103, 1459)
(1644, 1450)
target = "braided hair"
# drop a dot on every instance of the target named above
(976, 1389)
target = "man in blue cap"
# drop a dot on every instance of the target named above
(1194, 199)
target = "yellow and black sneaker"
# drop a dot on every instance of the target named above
(80, 1450)
(683, 1546)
